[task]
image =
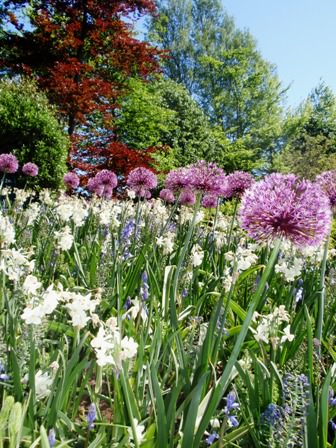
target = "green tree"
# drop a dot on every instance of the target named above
(162, 114)
(223, 70)
(309, 138)
(29, 128)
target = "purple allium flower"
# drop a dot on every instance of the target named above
(178, 179)
(30, 169)
(106, 178)
(211, 438)
(206, 177)
(327, 181)
(209, 201)
(103, 184)
(167, 195)
(91, 416)
(236, 183)
(52, 437)
(187, 197)
(8, 163)
(281, 205)
(71, 180)
(141, 180)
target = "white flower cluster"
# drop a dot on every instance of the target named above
(187, 214)
(111, 349)
(7, 231)
(72, 208)
(166, 242)
(32, 212)
(291, 268)
(64, 238)
(42, 303)
(197, 255)
(15, 263)
(244, 257)
(269, 327)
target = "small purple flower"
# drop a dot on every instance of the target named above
(8, 163)
(184, 293)
(144, 288)
(282, 205)
(327, 182)
(211, 438)
(52, 437)
(30, 169)
(71, 180)
(141, 180)
(333, 425)
(167, 195)
(209, 201)
(236, 183)
(231, 403)
(91, 416)
(232, 419)
(127, 304)
(272, 416)
(187, 197)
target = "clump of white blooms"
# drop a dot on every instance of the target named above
(291, 268)
(166, 242)
(16, 263)
(139, 431)
(187, 215)
(32, 213)
(197, 255)
(64, 238)
(244, 257)
(111, 348)
(7, 231)
(269, 328)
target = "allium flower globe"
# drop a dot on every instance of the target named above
(206, 177)
(71, 180)
(167, 195)
(187, 197)
(209, 201)
(236, 183)
(327, 181)
(141, 181)
(103, 184)
(8, 163)
(30, 169)
(281, 205)
(178, 179)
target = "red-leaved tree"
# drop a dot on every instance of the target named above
(82, 54)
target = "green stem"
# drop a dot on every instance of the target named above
(321, 301)
(232, 223)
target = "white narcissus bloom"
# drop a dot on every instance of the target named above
(32, 213)
(64, 239)
(33, 316)
(197, 255)
(50, 300)
(129, 347)
(7, 231)
(287, 335)
(31, 285)
(43, 383)
(14, 263)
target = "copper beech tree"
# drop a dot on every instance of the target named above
(81, 53)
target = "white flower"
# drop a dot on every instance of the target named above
(287, 335)
(197, 255)
(64, 239)
(31, 285)
(50, 300)
(139, 430)
(262, 333)
(129, 348)
(43, 383)
(33, 316)
(32, 213)
(7, 231)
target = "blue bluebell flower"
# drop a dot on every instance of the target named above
(52, 437)
(91, 416)
(211, 438)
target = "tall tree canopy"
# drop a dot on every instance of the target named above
(82, 54)
(309, 137)
(223, 70)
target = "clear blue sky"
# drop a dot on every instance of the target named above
(298, 36)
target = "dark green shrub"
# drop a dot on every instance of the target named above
(29, 128)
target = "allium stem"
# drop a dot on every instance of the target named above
(232, 223)
(321, 299)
